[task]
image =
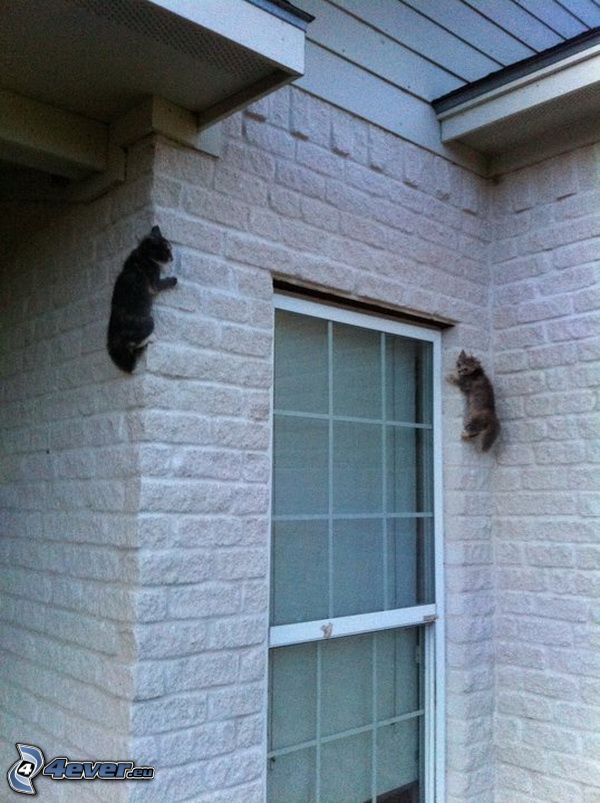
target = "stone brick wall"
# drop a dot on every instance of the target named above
(546, 273)
(135, 542)
(70, 488)
(307, 193)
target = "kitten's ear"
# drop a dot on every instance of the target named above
(156, 232)
(462, 355)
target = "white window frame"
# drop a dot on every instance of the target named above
(431, 616)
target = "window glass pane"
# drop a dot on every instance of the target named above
(408, 379)
(409, 470)
(352, 534)
(343, 698)
(292, 777)
(293, 679)
(301, 459)
(300, 571)
(346, 772)
(398, 758)
(357, 566)
(301, 363)
(357, 468)
(410, 562)
(398, 684)
(347, 684)
(356, 371)
(375, 472)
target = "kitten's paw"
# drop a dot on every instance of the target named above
(467, 436)
(452, 379)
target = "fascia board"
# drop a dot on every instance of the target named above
(578, 72)
(248, 26)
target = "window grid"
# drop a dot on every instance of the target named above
(384, 423)
(330, 462)
(352, 419)
(371, 727)
(334, 737)
(343, 516)
(428, 615)
(384, 528)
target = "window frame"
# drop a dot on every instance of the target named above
(429, 615)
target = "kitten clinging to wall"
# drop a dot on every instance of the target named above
(131, 322)
(480, 417)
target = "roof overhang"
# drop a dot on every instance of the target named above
(70, 68)
(520, 103)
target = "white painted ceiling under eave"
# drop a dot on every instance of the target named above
(97, 58)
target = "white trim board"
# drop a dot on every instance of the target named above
(368, 320)
(40, 136)
(508, 110)
(247, 25)
(283, 635)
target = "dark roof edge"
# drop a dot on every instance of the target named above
(285, 11)
(517, 70)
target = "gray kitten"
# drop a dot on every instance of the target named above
(480, 418)
(131, 322)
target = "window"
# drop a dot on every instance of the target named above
(356, 636)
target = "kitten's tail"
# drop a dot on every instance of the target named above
(490, 433)
(123, 358)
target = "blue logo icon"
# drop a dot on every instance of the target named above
(21, 774)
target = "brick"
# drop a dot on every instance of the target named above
(209, 670)
(267, 137)
(417, 166)
(564, 178)
(349, 136)
(226, 703)
(319, 214)
(519, 268)
(193, 233)
(181, 638)
(522, 192)
(259, 110)
(577, 254)
(237, 564)
(556, 403)
(549, 356)
(364, 230)
(222, 209)
(318, 159)
(310, 118)
(542, 310)
(198, 744)
(575, 206)
(587, 300)
(279, 107)
(241, 185)
(301, 179)
(183, 164)
(285, 202)
(158, 716)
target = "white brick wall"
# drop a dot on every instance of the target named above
(69, 492)
(547, 329)
(308, 193)
(158, 485)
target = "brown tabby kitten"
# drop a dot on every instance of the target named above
(131, 322)
(480, 418)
